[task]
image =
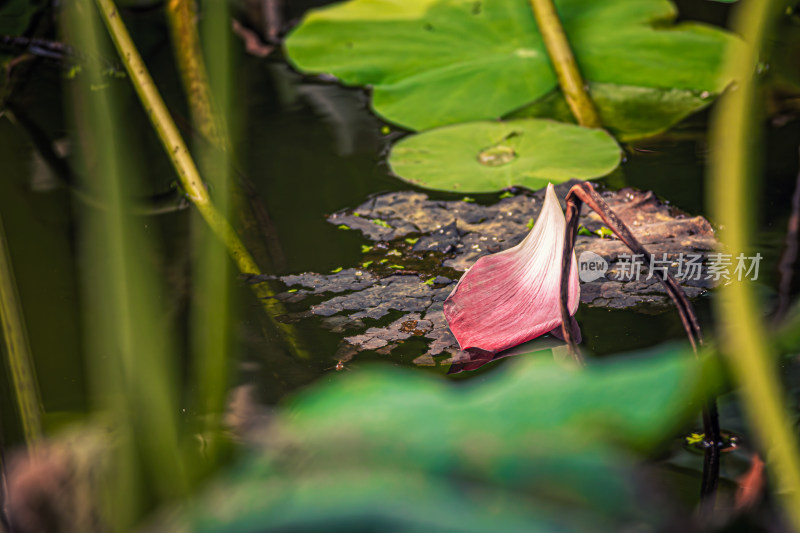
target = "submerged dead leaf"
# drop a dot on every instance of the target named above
(438, 240)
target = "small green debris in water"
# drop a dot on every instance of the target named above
(429, 281)
(396, 266)
(695, 438)
(384, 260)
(386, 130)
(394, 252)
(292, 290)
(335, 270)
(366, 264)
(697, 441)
(365, 248)
(604, 232)
(530, 224)
(506, 194)
(381, 223)
(468, 199)
(73, 71)
(343, 226)
(409, 240)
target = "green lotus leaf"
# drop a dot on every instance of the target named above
(629, 112)
(437, 62)
(489, 156)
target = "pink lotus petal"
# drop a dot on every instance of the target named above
(512, 296)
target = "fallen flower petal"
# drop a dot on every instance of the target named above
(512, 296)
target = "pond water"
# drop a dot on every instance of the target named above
(311, 148)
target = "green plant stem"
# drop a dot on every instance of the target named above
(251, 218)
(211, 292)
(182, 15)
(563, 60)
(171, 138)
(20, 362)
(186, 169)
(745, 343)
(132, 373)
(211, 321)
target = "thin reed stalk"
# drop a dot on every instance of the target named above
(17, 349)
(734, 138)
(186, 169)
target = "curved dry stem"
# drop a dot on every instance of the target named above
(584, 193)
(567, 324)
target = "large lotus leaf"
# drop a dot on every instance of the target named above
(535, 447)
(489, 156)
(629, 112)
(437, 62)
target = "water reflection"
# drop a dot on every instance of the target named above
(475, 358)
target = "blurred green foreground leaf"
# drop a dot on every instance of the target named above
(536, 447)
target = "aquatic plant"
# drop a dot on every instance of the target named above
(433, 63)
(532, 446)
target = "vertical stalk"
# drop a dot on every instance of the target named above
(211, 273)
(745, 343)
(171, 138)
(20, 361)
(132, 360)
(186, 169)
(569, 77)
(251, 218)
(182, 15)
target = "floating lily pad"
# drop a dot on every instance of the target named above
(489, 156)
(437, 62)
